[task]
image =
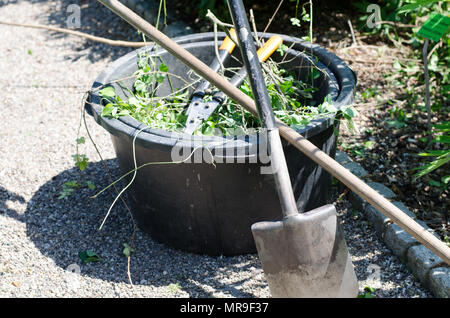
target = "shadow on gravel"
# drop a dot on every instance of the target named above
(6, 195)
(7, 2)
(60, 228)
(95, 19)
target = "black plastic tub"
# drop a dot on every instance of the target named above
(207, 209)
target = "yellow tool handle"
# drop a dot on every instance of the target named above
(269, 47)
(229, 44)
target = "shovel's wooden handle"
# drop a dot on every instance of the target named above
(297, 140)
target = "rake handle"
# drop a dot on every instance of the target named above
(293, 137)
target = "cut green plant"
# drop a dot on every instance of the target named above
(291, 101)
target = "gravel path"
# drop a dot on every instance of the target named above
(42, 79)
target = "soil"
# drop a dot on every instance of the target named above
(387, 152)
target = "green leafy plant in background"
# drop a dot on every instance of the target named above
(399, 117)
(404, 20)
(303, 16)
(359, 149)
(399, 19)
(439, 67)
(395, 11)
(415, 5)
(441, 157)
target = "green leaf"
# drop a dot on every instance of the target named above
(415, 5)
(327, 107)
(369, 289)
(434, 183)
(81, 161)
(71, 184)
(295, 22)
(90, 185)
(133, 101)
(445, 139)
(81, 140)
(107, 92)
(396, 124)
(90, 253)
(163, 68)
(64, 193)
(350, 111)
(123, 112)
(358, 152)
(443, 127)
(88, 256)
(114, 112)
(282, 49)
(397, 66)
(445, 179)
(67, 189)
(108, 110)
(432, 166)
(140, 86)
(127, 250)
(369, 144)
(433, 153)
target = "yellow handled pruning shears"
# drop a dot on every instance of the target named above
(200, 110)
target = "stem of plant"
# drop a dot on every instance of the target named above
(427, 84)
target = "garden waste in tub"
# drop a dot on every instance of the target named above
(291, 98)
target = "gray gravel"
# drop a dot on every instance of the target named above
(42, 80)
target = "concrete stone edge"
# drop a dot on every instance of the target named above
(419, 259)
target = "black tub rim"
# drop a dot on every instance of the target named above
(150, 137)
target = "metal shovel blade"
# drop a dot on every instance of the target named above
(305, 256)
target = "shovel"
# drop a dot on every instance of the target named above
(303, 255)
